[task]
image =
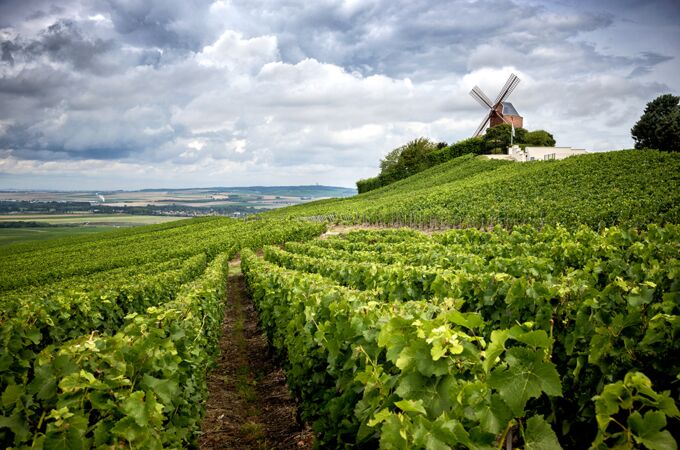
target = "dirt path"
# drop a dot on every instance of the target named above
(248, 405)
(335, 229)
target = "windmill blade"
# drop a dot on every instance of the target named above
(481, 97)
(510, 86)
(505, 87)
(510, 89)
(482, 126)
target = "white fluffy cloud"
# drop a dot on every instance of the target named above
(173, 93)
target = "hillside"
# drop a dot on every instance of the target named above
(601, 189)
(388, 338)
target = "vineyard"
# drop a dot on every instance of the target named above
(473, 339)
(631, 188)
(106, 341)
(546, 316)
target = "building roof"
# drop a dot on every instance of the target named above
(509, 110)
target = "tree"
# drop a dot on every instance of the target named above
(669, 132)
(659, 126)
(406, 160)
(498, 138)
(539, 138)
(413, 158)
(390, 161)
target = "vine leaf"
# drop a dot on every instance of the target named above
(647, 430)
(539, 436)
(526, 376)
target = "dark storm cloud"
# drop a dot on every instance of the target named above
(63, 41)
(8, 47)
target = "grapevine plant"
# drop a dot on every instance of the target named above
(532, 338)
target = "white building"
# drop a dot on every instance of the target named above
(515, 153)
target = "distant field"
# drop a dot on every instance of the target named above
(73, 225)
(113, 219)
(13, 235)
(202, 197)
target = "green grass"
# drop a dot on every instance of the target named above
(71, 225)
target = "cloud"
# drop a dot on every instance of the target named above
(263, 91)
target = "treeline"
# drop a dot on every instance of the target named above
(421, 153)
(24, 224)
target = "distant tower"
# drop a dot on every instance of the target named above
(500, 111)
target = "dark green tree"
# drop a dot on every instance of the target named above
(539, 138)
(669, 132)
(498, 138)
(659, 126)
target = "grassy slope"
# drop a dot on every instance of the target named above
(17, 235)
(626, 187)
(71, 225)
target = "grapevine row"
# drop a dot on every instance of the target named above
(600, 307)
(114, 352)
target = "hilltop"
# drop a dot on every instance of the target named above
(629, 187)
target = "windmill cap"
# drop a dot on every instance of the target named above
(508, 109)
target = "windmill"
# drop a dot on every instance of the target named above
(500, 111)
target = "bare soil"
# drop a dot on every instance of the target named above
(249, 406)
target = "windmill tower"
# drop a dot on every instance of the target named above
(500, 111)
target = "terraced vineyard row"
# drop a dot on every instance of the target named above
(106, 342)
(471, 339)
(630, 188)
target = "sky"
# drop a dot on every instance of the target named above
(125, 94)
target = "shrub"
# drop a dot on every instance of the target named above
(539, 138)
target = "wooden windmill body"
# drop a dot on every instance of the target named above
(499, 111)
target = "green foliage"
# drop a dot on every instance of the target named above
(418, 156)
(659, 126)
(406, 160)
(474, 145)
(498, 138)
(114, 352)
(145, 384)
(391, 160)
(459, 339)
(400, 163)
(630, 414)
(422, 154)
(413, 158)
(539, 138)
(33, 319)
(599, 189)
(368, 184)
